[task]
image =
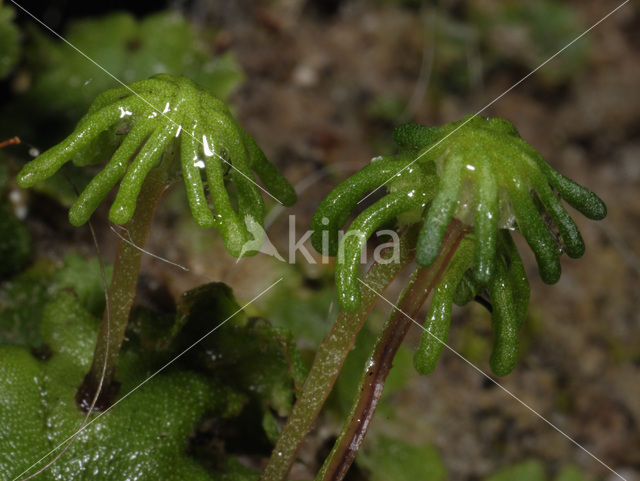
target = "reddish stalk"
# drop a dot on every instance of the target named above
(328, 362)
(381, 360)
(11, 141)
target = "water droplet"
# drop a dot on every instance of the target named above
(207, 149)
(124, 112)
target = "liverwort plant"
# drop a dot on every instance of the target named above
(457, 192)
(151, 132)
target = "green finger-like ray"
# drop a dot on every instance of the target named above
(436, 326)
(147, 89)
(502, 125)
(103, 182)
(192, 153)
(338, 205)
(129, 109)
(210, 104)
(250, 202)
(505, 322)
(192, 162)
(414, 136)
(485, 221)
(573, 243)
(517, 275)
(440, 212)
(577, 196)
(531, 226)
(250, 206)
(360, 230)
(50, 161)
(273, 180)
(234, 234)
(107, 98)
(124, 204)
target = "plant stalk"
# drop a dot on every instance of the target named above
(120, 297)
(328, 362)
(381, 360)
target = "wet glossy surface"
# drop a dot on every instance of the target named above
(478, 171)
(481, 173)
(157, 113)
